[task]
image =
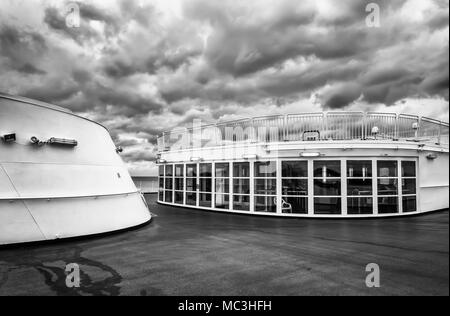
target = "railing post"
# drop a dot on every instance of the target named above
(440, 132)
(285, 132)
(364, 126)
(396, 132)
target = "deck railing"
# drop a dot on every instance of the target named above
(309, 127)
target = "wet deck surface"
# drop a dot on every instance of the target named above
(189, 252)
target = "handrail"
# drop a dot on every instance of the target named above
(333, 125)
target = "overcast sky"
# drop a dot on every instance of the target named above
(141, 67)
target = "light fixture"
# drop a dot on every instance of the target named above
(375, 131)
(196, 159)
(62, 141)
(119, 149)
(310, 154)
(9, 138)
(161, 161)
(250, 156)
(432, 156)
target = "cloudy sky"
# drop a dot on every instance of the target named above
(141, 67)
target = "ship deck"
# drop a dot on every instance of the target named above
(193, 252)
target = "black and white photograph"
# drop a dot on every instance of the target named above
(224, 155)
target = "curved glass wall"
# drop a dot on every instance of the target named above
(314, 186)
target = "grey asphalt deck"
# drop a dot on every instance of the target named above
(190, 252)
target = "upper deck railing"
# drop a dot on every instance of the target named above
(309, 127)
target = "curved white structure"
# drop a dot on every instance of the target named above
(60, 176)
(321, 165)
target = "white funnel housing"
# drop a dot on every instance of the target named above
(60, 176)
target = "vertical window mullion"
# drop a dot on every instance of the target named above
(375, 186)
(344, 187)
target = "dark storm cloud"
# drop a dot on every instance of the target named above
(21, 48)
(141, 68)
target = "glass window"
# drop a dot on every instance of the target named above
(161, 183)
(205, 199)
(327, 169)
(168, 196)
(409, 186)
(241, 202)
(294, 169)
(222, 170)
(241, 170)
(266, 169)
(295, 187)
(327, 206)
(161, 196)
(299, 205)
(191, 198)
(359, 187)
(179, 182)
(179, 170)
(179, 197)
(241, 186)
(327, 187)
(408, 168)
(161, 170)
(409, 204)
(266, 186)
(169, 170)
(205, 185)
(169, 183)
(387, 169)
(387, 205)
(191, 170)
(191, 184)
(387, 187)
(265, 204)
(359, 168)
(222, 185)
(222, 201)
(356, 206)
(205, 170)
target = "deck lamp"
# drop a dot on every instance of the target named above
(250, 156)
(310, 155)
(194, 159)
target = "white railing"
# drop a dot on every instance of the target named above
(309, 126)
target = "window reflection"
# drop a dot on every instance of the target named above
(387, 187)
(359, 187)
(356, 206)
(295, 187)
(408, 168)
(241, 202)
(327, 169)
(327, 205)
(266, 169)
(387, 168)
(265, 204)
(359, 168)
(388, 205)
(294, 169)
(409, 204)
(328, 187)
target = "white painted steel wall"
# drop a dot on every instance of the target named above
(49, 192)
